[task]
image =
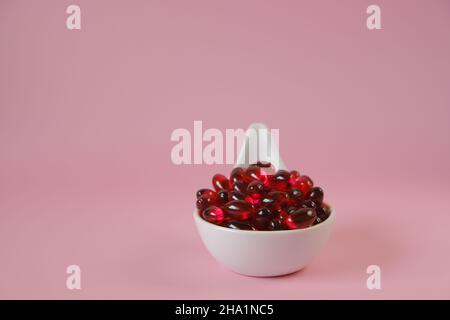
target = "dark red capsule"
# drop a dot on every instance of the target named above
(280, 180)
(220, 182)
(295, 197)
(213, 214)
(257, 189)
(254, 172)
(222, 197)
(262, 218)
(237, 174)
(238, 210)
(322, 213)
(236, 195)
(203, 202)
(309, 204)
(238, 225)
(275, 200)
(316, 195)
(276, 224)
(205, 192)
(240, 186)
(302, 218)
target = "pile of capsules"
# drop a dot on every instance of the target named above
(258, 198)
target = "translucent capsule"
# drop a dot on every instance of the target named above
(316, 195)
(238, 210)
(280, 180)
(205, 192)
(304, 183)
(213, 214)
(301, 218)
(220, 182)
(238, 225)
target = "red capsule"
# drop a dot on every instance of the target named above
(239, 210)
(309, 204)
(322, 213)
(254, 172)
(252, 200)
(236, 195)
(213, 214)
(315, 195)
(276, 224)
(222, 197)
(304, 183)
(294, 176)
(280, 180)
(256, 189)
(203, 202)
(275, 200)
(262, 218)
(205, 192)
(237, 225)
(237, 174)
(301, 218)
(295, 197)
(220, 182)
(240, 186)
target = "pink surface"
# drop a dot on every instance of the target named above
(86, 117)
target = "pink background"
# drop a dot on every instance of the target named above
(86, 118)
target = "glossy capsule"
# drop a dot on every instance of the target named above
(262, 218)
(316, 195)
(275, 200)
(293, 177)
(220, 182)
(213, 214)
(280, 180)
(304, 183)
(238, 210)
(255, 172)
(238, 225)
(237, 174)
(222, 197)
(205, 192)
(203, 202)
(301, 218)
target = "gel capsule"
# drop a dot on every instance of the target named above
(294, 176)
(309, 204)
(237, 174)
(239, 210)
(304, 183)
(256, 189)
(237, 225)
(236, 195)
(254, 172)
(262, 218)
(275, 225)
(203, 202)
(301, 218)
(275, 200)
(220, 182)
(213, 214)
(222, 197)
(280, 180)
(316, 195)
(295, 197)
(205, 192)
(240, 186)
